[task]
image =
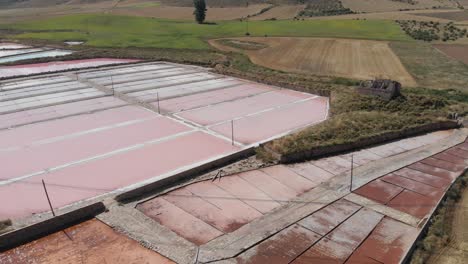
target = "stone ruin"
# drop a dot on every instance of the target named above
(383, 88)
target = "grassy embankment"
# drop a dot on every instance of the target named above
(353, 116)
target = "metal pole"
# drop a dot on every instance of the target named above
(48, 199)
(247, 20)
(352, 166)
(232, 132)
(112, 81)
(247, 27)
(157, 98)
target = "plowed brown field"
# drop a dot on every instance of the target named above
(389, 5)
(358, 59)
(458, 52)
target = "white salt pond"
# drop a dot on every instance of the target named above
(28, 69)
(35, 55)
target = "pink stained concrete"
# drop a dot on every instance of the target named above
(458, 168)
(413, 203)
(27, 69)
(187, 226)
(451, 158)
(25, 135)
(426, 178)
(212, 97)
(325, 251)
(334, 165)
(409, 143)
(289, 178)
(438, 172)
(379, 191)
(47, 155)
(463, 146)
(356, 228)
(361, 157)
(274, 189)
(241, 107)
(246, 192)
(230, 205)
(202, 209)
(329, 217)
(281, 248)
(459, 152)
(386, 150)
(312, 172)
(127, 168)
(386, 244)
(260, 127)
(57, 111)
(414, 186)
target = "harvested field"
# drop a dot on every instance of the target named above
(430, 67)
(389, 5)
(186, 13)
(454, 16)
(458, 52)
(88, 242)
(358, 59)
(280, 12)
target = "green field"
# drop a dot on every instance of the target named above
(125, 31)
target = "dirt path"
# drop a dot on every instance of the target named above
(457, 251)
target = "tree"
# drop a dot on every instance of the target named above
(200, 10)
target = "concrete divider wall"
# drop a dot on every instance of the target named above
(29, 233)
(140, 192)
(366, 142)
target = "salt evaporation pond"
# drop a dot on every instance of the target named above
(12, 46)
(35, 55)
(27, 69)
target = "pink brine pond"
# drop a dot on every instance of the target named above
(27, 69)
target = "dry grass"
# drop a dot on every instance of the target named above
(355, 117)
(355, 59)
(389, 5)
(446, 238)
(430, 67)
(392, 15)
(186, 13)
(5, 225)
